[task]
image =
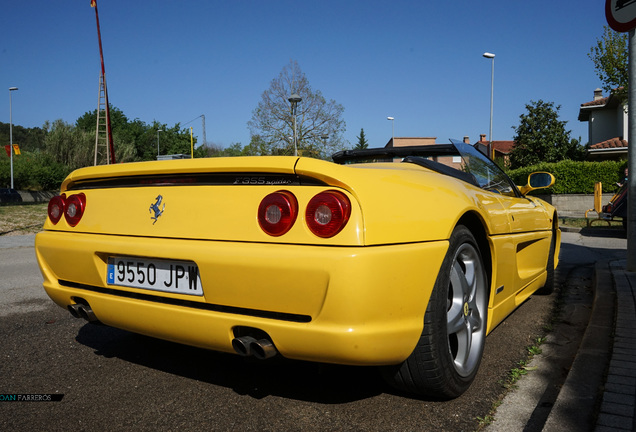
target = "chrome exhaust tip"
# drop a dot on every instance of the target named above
(246, 346)
(74, 309)
(81, 310)
(243, 345)
(264, 349)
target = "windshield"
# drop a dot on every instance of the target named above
(487, 174)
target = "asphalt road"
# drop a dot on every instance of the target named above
(114, 380)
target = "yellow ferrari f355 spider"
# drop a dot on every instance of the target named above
(403, 258)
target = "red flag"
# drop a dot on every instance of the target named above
(8, 149)
(93, 3)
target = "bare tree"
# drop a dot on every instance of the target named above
(319, 122)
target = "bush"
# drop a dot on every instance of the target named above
(47, 174)
(575, 177)
(33, 171)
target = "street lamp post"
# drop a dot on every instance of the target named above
(392, 130)
(492, 88)
(11, 132)
(324, 138)
(295, 99)
(158, 130)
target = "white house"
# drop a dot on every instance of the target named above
(607, 126)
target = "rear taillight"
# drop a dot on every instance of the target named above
(327, 213)
(277, 213)
(71, 207)
(56, 208)
(75, 205)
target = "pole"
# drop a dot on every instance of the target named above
(205, 140)
(295, 136)
(631, 181)
(393, 132)
(191, 144)
(11, 135)
(492, 92)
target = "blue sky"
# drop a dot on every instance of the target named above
(418, 61)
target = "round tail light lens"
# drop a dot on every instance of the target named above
(75, 205)
(277, 213)
(57, 206)
(328, 213)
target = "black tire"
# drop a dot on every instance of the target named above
(548, 287)
(446, 359)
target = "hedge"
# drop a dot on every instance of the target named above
(575, 177)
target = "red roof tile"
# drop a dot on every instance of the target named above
(597, 102)
(610, 143)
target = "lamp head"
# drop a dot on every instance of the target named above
(295, 98)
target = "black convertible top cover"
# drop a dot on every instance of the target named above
(377, 154)
(412, 154)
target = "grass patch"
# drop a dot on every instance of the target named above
(22, 219)
(593, 223)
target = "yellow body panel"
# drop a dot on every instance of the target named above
(356, 298)
(365, 305)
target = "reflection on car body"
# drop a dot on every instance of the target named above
(402, 258)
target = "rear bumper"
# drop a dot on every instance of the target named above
(346, 305)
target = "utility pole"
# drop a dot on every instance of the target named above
(205, 141)
(622, 18)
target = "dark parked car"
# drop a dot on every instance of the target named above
(9, 196)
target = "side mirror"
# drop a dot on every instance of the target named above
(538, 180)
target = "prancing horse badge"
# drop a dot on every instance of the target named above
(155, 208)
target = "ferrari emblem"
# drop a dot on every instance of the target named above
(156, 207)
(466, 309)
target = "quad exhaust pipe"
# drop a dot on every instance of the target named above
(82, 310)
(249, 346)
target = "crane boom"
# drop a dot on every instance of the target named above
(111, 149)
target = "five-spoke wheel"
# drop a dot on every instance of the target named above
(447, 356)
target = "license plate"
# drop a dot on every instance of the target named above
(180, 277)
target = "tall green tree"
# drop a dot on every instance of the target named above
(542, 137)
(316, 118)
(610, 58)
(88, 121)
(138, 141)
(362, 141)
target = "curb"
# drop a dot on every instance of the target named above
(576, 406)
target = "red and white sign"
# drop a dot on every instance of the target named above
(621, 14)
